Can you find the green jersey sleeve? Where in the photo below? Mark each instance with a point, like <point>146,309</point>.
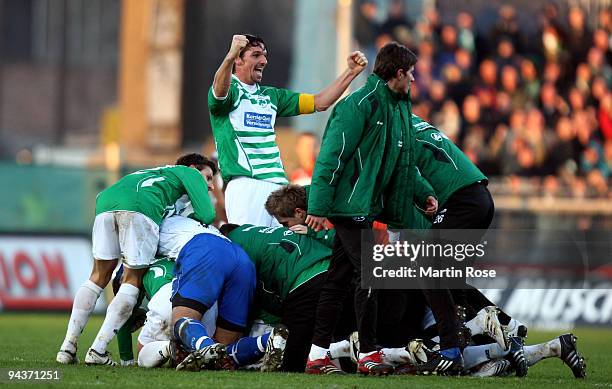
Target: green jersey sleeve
<point>197,190</point>
<point>325,237</point>
<point>222,106</point>
<point>288,102</point>
<point>340,140</point>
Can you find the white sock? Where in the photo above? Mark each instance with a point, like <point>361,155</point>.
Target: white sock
<point>117,313</point>
<point>154,354</point>
<point>535,353</point>
<point>340,349</point>
<point>474,329</point>
<point>363,355</point>
<point>475,355</point>
<point>396,356</point>
<point>317,352</point>
<point>84,303</point>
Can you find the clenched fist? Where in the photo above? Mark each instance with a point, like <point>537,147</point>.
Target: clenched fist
<point>239,42</point>
<point>357,61</point>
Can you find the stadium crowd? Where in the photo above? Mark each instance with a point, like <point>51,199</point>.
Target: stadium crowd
<point>533,107</point>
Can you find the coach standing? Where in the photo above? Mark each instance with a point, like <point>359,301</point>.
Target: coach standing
<point>243,114</point>
<point>365,172</point>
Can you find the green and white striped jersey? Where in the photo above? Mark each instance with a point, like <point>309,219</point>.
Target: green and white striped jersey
<point>243,127</point>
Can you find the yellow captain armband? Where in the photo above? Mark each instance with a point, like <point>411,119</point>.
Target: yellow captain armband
<point>306,103</point>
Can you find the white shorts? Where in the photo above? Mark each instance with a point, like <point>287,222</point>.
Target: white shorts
<point>130,236</point>
<point>245,200</point>
<point>158,325</point>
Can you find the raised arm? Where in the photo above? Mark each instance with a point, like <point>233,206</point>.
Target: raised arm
<point>223,76</point>
<point>356,62</point>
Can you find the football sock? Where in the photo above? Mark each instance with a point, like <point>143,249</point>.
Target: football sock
<point>474,328</point>
<point>192,334</point>
<point>317,352</point>
<point>396,356</point>
<point>535,353</point>
<point>83,305</point>
<point>154,354</point>
<point>340,349</point>
<point>452,352</point>
<point>363,355</point>
<point>475,355</point>
<point>248,350</point>
<point>117,313</point>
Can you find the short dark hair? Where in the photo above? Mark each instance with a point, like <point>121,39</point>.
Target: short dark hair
<point>254,41</point>
<point>283,201</point>
<point>197,160</point>
<point>392,57</point>
<point>227,228</point>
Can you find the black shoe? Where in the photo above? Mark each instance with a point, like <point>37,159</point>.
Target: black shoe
<point>570,355</point>
<point>177,353</point>
<point>438,364</point>
<point>516,356</point>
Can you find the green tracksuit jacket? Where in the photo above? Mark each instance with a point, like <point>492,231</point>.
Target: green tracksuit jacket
<point>366,165</point>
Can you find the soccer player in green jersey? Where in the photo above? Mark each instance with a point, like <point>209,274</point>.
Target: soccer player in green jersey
<point>126,227</point>
<point>243,114</point>
<point>291,269</point>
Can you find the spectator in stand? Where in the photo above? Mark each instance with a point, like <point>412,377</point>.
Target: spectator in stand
<point>597,184</point>
<point>592,157</point>
<point>595,59</point>
<point>367,29</point>
<point>466,35</point>
<point>509,81</point>
<point>448,119</point>
<point>578,38</point>
<point>607,156</point>
<point>507,27</point>
<point>397,25</point>
<point>562,150</point>
<point>602,41</point>
<point>598,90</point>
<point>552,105</point>
<point>506,55</point>
<point>576,99</point>
<point>437,95</point>
<point>604,116</point>
<point>446,50</point>
<point>583,77</point>
<point>306,149</point>
<point>531,80</point>
<point>470,111</point>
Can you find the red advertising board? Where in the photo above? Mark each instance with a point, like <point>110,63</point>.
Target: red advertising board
<point>43,272</point>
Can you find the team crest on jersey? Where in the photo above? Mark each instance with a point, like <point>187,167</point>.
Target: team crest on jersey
<point>287,233</point>
<point>436,136</point>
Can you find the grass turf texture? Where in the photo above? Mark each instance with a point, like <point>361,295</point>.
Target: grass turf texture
<point>30,341</point>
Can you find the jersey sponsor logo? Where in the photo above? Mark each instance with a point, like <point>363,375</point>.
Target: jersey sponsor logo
<point>257,120</point>
<point>436,136</point>
<point>287,233</point>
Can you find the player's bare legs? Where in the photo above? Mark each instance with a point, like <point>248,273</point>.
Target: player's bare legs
<point>84,303</point>
<point>226,336</point>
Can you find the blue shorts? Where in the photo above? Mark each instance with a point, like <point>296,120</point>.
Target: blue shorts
<point>210,268</point>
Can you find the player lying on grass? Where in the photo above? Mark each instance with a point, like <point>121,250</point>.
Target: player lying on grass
<point>126,227</point>
<point>482,358</point>
<point>154,341</point>
<point>291,269</point>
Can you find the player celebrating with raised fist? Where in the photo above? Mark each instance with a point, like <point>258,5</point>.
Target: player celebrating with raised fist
<point>243,114</point>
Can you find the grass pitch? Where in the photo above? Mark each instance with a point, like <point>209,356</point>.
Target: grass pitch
<point>30,341</point>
